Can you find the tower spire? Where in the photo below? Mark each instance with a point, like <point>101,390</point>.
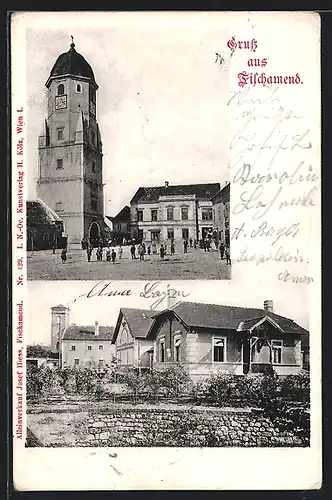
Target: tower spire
<point>72,45</point>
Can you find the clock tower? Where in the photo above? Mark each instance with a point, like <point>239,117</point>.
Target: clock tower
<point>70,174</point>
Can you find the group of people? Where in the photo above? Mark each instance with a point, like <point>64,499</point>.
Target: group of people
<point>142,250</point>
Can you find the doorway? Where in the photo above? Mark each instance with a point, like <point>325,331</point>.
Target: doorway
<point>94,234</point>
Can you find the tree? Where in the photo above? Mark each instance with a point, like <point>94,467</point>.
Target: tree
<point>40,351</point>
<point>135,382</point>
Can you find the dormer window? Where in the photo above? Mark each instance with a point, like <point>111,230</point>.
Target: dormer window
<point>79,88</point>
<point>61,89</point>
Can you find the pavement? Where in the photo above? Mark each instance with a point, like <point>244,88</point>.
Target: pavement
<point>196,264</point>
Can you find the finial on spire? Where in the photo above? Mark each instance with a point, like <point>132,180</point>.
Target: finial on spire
<point>72,45</point>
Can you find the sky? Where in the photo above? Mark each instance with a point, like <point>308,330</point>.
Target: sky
<point>85,311</point>
<point>160,104</point>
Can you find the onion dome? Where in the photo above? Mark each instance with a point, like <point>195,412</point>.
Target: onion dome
<point>71,63</point>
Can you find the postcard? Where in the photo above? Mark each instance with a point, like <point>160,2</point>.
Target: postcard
<point>166,251</point>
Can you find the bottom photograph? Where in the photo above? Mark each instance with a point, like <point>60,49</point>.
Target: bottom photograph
<point>121,371</point>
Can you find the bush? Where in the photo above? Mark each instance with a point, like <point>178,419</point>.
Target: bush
<point>296,387</point>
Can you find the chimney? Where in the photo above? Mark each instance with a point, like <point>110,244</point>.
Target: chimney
<point>166,184</point>
<point>96,328</point>
<point>268,306</point>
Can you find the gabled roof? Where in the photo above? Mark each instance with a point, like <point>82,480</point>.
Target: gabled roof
<point>75,332</point>
<point>201,191</point>
<point>123,215</point>
<point>222,195</point>
<point>139,322</point>
<point>215,316</point>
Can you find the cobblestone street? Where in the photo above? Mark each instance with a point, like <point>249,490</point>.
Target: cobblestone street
<point>196,264</point>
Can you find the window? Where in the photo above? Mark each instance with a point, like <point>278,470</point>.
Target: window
<point>170,213</point>
<point>170,233</point>
<point>276,351</point>
<point>79,88</point>
<point>100,347</point>
<point>61,89</point>
<point>73,347</point>
<point>59,163</point>
<point>94,199</point>
<point>118,227</point>
<point>162,351</point>
<point>184,213</point>
<point>140,215</point>
<point>93,137</point>
<point>76,361</point>
<point>93,167</point>
<point>89,347</point>
<point>59,206</point>
<point>154,214</point>
<point>57,346</point>
<point>60,133</point>
<point>100,362</point>
<point>177,348</point>
<point>185,233</point>
<point>207,214</point>
<point>219,351</point>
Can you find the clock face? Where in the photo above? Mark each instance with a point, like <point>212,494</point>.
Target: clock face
<point>92,108</point>
<point>60,102</point>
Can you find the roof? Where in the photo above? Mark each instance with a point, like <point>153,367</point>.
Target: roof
<point>201,191</point>
<point>40,213</point>
<point>71,63</point>
<point>75,332</point>
<point>123,215</point>
<point>59,306</point>
<point>222,195</point>
<point>139,322</point>
<point>229,317</point>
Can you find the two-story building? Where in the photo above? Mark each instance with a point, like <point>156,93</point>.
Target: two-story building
<point>121,226</point>
<point>132,348</point>
<point>87,346</point>
<point>221,215</point>
<point>163,213</point>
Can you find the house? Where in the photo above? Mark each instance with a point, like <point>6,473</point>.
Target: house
<point>221,209</point>
<point>121,226</point>
<point>163,213</point>
<point>132,348</point>
<point>87,346</point>
<point>206,338</point>
<point>44,226</point>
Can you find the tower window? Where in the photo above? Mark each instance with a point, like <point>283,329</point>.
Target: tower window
<point>59,163</point>
<point>93,137</point>
<point>79,88</point>
<point>93,167</point>
<point>59,206</point>
<point>60,133</point>
<point>61,89</point>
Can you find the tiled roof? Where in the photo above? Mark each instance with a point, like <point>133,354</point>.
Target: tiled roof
<point>139,322</point>
<point>123,215</point>
<point>202,191</point>
<point>228,317</point>
<point>75,332</point>
<point>40,213</point>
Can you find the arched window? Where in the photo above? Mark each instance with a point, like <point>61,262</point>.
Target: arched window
<point>79,88</point>
<point>57,346</point>
<point>61,89</point>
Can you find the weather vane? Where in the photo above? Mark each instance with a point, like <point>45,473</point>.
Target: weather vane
<point>72,38</point>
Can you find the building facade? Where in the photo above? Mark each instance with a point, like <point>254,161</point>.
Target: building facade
<point>221,215</point>
<point>121,226</point>
<point>87,346</point>
<point>207,339</point>
<point>70,175</point>
<point>163,213</point>
<point>132,349</point>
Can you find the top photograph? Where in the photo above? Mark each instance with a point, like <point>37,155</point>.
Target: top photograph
<point>127,155</point>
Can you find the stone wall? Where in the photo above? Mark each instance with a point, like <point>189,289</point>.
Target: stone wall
<point>135,426</point>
